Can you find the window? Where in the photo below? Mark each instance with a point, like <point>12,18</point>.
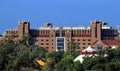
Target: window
<point>83,47</point>
<point>89,43</point>
<point>60,39</point>
<point>74,31</point>
<point>77,31</point>
<point>83,39</point>
<point>57,33</point>
<point>63,33</point>
<point>52,43</point>
<point>52,35</point>
<point>42,40</point>
<point>7,32</point>
<point>89,39</point>
<point>95,32</point>
<point>78,40</point>
<point>88,32</point>
<point>47,47</point>
<point>83,43</point>
<point>47,43</point>
<point>60,43</point>
<point>82,31</point>
<point>85,31</point>
<point>42,44</point>
<point>47,40</point>
<point>43,32</point>
<point>46,32</point>
<point>74,43</point>
<point>38,32</point>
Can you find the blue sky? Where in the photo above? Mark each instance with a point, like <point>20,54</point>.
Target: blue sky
<point>58,12</point>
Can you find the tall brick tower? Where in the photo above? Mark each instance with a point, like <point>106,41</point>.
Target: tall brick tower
<point>24,28</point>
<point>96,31</point>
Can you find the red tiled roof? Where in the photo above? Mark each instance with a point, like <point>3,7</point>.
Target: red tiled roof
<point>111,42</point>
<point>95,42</point>
<point>43,35</point>
<point>82,35</point>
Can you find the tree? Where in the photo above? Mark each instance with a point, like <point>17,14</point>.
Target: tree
<point>19,56</point>
<point>55,55</point>
<point>113,66</point>
<point>66,64</point>
<point>52,58</point>
<point>5,50</point>
<point>96,63</point>
<point>72,46</point>
<point>78,66</point>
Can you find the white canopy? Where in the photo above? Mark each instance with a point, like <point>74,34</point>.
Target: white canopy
<point>113,47</point>
<point>89,49</point>
<point>79,58</point>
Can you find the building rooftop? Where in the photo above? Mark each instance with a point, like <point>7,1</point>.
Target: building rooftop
<point>111,42</point>
<point>56,28</point>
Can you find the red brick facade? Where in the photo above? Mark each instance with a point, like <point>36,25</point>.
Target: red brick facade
<point>48,36</point>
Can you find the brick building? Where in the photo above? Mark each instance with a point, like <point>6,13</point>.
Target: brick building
<point>99,35</point>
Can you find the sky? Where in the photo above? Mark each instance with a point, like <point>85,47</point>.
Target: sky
<point>58,12</point>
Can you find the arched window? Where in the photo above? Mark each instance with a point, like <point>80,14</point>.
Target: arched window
<point>57,33</point>
<point>63,33</point>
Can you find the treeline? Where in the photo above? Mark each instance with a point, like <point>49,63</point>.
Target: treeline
<point>20,56</point>
<point>108,60</point>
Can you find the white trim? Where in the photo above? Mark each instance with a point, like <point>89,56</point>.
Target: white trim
<point>106,27</point>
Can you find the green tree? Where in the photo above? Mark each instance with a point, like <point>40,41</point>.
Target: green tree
<point>72,46</point>
<point>19,56</point>
<point>66,64</point>
<point>113,66</point>
<point>55,55</point>
<point>5,50</point>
